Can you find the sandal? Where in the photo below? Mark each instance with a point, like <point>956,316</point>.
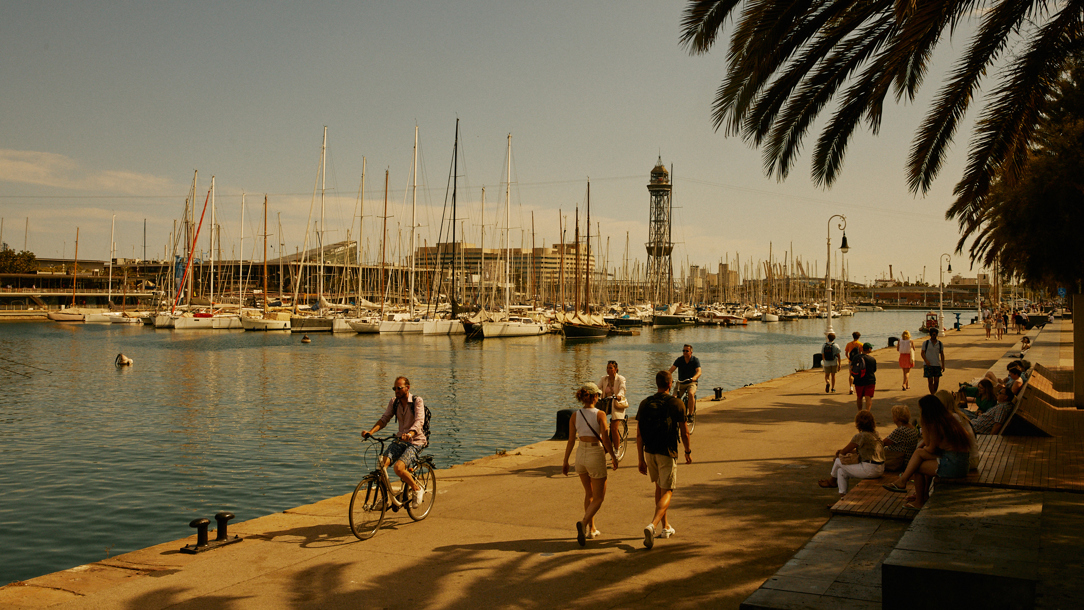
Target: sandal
<point>895,488</point>
<point>910,506</point>
<point>827,483</point>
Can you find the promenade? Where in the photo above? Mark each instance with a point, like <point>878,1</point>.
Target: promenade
<point>502,534</point>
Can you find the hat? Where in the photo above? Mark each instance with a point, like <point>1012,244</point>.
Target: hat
<point>868,346</point>
<point>590,388</point>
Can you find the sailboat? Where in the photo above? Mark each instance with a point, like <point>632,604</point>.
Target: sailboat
<point>365,324</point>
<point>580,325</point>
<point>401,323</point>
<point>451,325</point>
<point>70,314</point>
<point>318,322</point>
<point>268,321</point>
<point>510,326</point>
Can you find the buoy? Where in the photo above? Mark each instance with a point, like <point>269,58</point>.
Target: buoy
<point>306,339</point>
<point>123,360</point>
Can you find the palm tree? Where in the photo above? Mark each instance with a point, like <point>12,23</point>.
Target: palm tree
<point>788,59</point>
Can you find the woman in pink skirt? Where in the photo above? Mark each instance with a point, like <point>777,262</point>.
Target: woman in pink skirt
<point>907,360</point>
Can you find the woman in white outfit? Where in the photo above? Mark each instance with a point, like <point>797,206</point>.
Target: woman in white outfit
<point>588,426</point>
<point>871,455</point>
<point>613,385</point>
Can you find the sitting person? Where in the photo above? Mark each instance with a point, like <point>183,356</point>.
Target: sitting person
<point>1025,345</point>
<point>956,403</point>
<point>871,455</point>
<point>944,452</point>
<point>983,395</point>
<point>902,442</point>
<point>1015,380</point>
<point>993,419</point>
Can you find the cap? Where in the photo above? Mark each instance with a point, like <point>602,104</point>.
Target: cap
<point>590,388</point>
<point>868,346</point>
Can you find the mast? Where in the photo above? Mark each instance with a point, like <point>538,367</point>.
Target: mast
<point>112,226</point>
<point>455,180</point>
<point>264,255</point>
<point>507,240</point>
<point>361,224</point>
<point>577,280</point>
<point>564,250</point>
<point>413,222</point>
<point>75,266</point>
<point>587,261</point>
<point>241,261</point>
<point>383,246</point>
<point>320,231</point>
<point>212,236</point>
<point>482,262</point>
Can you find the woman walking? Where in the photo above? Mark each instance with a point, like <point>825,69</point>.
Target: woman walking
<point>907,359</point>
<point>588,425</point>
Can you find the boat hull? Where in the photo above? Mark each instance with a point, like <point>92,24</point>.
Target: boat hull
<point>577,331</point>
<point>443,327</point>
<point>310,324</point>
<point>401,327</point>
<point>64,316</point>
<point>492,330</point>
<point>264,324</point>
<point>669,320</point>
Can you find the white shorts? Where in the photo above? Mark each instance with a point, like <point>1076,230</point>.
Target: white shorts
<point>591,460</point>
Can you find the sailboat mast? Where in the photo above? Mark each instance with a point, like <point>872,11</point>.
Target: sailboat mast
<point>413,221</point>
<point>507,225</point>
<point>75,265</point>
<point>383,246</point>
<point>320,231</point>
<point>361,224</point>
<point>212,236</point>
<point>587,261</point>
<point>265,254</point>
<point>241,261</point>
<point>112,226</point>
<point>577,280</point>
<point>455,179</point>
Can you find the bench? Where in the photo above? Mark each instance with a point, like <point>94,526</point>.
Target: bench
<point>869,499</point>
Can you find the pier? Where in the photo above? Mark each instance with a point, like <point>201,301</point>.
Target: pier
<point>502,533</point>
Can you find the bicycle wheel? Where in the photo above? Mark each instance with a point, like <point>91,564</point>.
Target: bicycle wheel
<point>425,476</point>
<point>690,417</point>
<point>623,428</point>
<point>367,507</point>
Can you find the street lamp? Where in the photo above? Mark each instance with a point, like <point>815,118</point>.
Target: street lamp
<point>941,288</point>
<point>843,247</point>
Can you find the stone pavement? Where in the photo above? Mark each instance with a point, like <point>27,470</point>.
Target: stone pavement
<point>502,534</point>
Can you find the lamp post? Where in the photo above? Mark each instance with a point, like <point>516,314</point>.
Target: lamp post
<point>843,247</point>
<point>941,288</point>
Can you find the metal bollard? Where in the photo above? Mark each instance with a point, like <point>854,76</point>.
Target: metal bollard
<point>892,341</point>
<point>201,531</point>
<point>718,392</point>
<point>563,417</point>
<point>817,359</point>
<point>223,518</point>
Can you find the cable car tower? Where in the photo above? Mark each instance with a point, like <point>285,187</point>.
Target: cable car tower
<point>660,270</point>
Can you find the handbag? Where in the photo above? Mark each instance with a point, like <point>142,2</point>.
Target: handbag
<point>849,459</point>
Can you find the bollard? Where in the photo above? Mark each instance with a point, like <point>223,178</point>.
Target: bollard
<point>223,518</point>
<point>563,417</point>
<point>892,341</point>
<point>201,531</point>
<point>718,392</point>
<point>817,359</point>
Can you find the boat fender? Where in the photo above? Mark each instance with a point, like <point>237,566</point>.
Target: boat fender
<point>123,360</point>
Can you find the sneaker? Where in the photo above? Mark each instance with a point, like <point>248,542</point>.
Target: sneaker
<point>826,386</point>
<point>419,497</point>
<point>649,535</point>
<point>666,533</point>
<point>581,535</point>
<point>594,534</point>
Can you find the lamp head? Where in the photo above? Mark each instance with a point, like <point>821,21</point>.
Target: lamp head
<point>950,267</point>
<point>843,247</point>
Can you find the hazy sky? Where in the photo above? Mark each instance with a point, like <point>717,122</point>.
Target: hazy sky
<point>108,108</point>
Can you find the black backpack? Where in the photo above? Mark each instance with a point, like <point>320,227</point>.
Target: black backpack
<point>828,352</point>
<point>425,423</point>
<point>858,366</point>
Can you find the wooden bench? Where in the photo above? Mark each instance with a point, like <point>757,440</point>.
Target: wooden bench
<point>1039,463</point>
<point>1044,409</point>
<point>869,499</point>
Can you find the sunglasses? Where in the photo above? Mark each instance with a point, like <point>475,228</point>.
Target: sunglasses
<point>399,387</point>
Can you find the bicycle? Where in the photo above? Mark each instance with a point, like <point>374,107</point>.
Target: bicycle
<point>373,495</point>
<point>606,406</point>
<point>690,409</point>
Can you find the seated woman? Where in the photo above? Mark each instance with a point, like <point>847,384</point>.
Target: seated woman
<point>956,404</point>
<point>902,442</point>
<point>983,395</point>
<point>944,452</point>
<point>871,455</point>
<point>1015,382</point>
<point>1025,344</point>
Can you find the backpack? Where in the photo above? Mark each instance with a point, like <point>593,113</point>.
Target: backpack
<point>828,352</point>
<point>858,366</point>
<point>425,423</point>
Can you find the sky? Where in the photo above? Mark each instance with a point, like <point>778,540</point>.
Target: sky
<point>108,108</point>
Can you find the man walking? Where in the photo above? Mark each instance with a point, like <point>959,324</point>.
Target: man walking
<point>830,362</point>
<point>933,354</point>
<point>847,351</point>
<point>659,420</point>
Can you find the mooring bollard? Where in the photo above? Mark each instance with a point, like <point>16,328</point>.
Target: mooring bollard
<point>201,531</point>
<point>223,518</point>
<point>563,417</point>
<point>892,341</point>
<point>718,392</point>
<point>817,359</point>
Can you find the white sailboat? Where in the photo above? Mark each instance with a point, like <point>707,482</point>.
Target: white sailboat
<point>268,321</point>
<point>407,323</point>
<point>510,326</point>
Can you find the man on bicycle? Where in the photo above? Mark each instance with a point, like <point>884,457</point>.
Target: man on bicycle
<point>688,367</point>
<point>409,411</point>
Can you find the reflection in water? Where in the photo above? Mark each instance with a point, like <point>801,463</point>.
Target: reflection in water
<point>257,423</point>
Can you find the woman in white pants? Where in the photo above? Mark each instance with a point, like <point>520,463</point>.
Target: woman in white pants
<point>871,455</point>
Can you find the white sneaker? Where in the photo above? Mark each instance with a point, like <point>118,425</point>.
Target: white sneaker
<point>594,534</point>
<point>419,497</point>
<point>666,533</point>
<point>649,535</point>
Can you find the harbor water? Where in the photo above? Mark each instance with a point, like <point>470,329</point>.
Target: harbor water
<point>97,460</point>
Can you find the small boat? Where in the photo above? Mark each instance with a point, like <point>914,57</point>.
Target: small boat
<point>66,315</point>
<point>931,322</point>
<point>580,325</point>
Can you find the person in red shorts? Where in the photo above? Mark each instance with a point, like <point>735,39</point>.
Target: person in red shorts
<point>864,369</point>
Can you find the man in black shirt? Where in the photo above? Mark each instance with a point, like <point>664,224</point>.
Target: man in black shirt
<point>688,367</point>
<point>659,420</point>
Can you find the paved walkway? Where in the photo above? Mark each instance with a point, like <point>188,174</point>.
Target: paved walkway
<point>502,531</point>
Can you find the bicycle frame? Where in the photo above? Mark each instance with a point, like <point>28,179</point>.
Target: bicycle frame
<point>382,471</point>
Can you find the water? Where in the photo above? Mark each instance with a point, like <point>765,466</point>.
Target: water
<point>97,461</point>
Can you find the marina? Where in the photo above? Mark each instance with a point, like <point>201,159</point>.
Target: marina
<point>255,423</point>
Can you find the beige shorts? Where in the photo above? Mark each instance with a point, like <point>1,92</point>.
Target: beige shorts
<point>591,460</point>
<point>662,469</point>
